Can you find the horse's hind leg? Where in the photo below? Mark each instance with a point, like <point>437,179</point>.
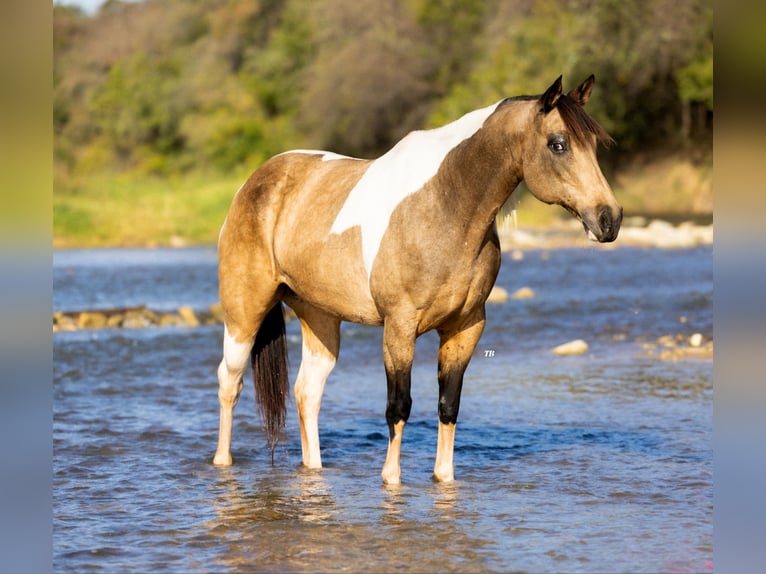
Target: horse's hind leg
<point>321,342</point>
<point>247,295</point>
<point>230,374</point>
<point>455,351</point>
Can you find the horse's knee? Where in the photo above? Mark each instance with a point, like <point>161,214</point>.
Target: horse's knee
<point>448,410</point>
<point>398,409</point>
<point>450,387</point>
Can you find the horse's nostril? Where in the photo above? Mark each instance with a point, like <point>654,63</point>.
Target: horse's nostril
<point>605,221</point>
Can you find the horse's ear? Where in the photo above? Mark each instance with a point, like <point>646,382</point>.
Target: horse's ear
<point>551,96</point>
<point>581,93</point>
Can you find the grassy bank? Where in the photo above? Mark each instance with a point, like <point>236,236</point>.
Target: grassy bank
<point>104,209</point>
<point>120,210</point>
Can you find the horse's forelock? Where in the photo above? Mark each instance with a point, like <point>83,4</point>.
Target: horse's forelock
<point>580,123</point>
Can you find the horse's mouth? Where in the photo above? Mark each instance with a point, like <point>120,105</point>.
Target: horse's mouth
<point>589,232</point>
<point>592,236</point>
<point>605,223</point>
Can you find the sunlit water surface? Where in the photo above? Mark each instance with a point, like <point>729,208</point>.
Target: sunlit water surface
<point>592,463</point>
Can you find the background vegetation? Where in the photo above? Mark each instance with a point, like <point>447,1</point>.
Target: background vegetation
<point>163,107</point>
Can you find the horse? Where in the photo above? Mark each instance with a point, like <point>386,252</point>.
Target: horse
<point>407,241</point>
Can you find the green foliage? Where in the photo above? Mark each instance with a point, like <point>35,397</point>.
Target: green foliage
<point>275,72</point>
<point>695,82</point>
<point>530,54</point>
<point>452,30</point>
<point>138,107</point>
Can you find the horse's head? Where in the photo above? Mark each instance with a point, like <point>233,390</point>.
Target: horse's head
<point>560,165</point>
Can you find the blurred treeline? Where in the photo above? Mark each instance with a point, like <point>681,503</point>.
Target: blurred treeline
<point>168,86</point>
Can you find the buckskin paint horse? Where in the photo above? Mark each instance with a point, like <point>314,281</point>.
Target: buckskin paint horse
<point>407,241</point>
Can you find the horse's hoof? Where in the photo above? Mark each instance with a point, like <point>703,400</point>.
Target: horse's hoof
<point>390,478</point>
<point>222,460</point>
<point>446,477</point>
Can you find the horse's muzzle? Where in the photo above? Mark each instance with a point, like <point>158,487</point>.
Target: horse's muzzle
<point>603,225</point>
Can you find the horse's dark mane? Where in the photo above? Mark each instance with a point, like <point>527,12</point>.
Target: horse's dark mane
<point>575,118</point>
<point>517,99</point>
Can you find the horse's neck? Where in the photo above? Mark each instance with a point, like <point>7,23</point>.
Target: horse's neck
<point>481,173</point>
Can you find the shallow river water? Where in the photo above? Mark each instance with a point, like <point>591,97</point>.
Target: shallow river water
<point>600,462</point>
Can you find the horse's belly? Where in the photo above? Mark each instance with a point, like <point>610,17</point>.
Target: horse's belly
<point>333,299</point>
<point>331,276</point>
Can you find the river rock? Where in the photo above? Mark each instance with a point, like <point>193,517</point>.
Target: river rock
<point>576,347</point>
<point>62,322</point>
<point>523,293</point>
<point>188,316</point>
<point>497,295</point>
<point>138,318</point>
<point>170,319</point>
<point>91,320</point>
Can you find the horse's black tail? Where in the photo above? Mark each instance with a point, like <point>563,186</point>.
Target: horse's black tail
<point>269,360</point>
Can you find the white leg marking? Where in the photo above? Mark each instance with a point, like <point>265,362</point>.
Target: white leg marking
<point>230,373</point>
<point>309,387</point>
<point>443,468</point>
<point>392,471</point>
<point>402,171</point>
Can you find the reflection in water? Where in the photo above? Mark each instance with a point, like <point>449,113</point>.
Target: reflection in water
<point>315,497</point>
<point>260,523</point>
<point>392,505</point>
<point>304,496</point>
<point>445,497</point>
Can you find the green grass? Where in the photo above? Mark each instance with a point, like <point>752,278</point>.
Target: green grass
<point>118,210</point>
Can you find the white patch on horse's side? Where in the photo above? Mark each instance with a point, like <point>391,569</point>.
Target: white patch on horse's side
<point>326,155</point>
<point>403,170</point>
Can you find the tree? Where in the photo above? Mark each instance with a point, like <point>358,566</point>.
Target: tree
<point>368,84</point>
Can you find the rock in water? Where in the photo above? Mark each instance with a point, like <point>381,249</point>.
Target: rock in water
<point>576,347</point>
<point>91,320</point>
<point>497,295</point>
<point>188,316</point>
<point>523,293</point>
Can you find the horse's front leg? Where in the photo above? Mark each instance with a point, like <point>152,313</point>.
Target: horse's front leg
<point>398,353</point>
<point>455,351</point>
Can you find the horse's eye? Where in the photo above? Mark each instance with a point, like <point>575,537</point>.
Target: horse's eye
<point>558,145</point>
